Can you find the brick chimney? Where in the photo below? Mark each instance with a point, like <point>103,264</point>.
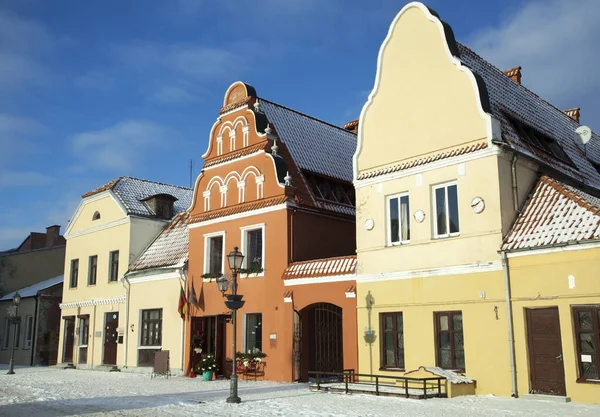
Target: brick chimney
<point>574,113</point>
<point>514,74</point>
<point>352,126</point>
<point>52,235</point>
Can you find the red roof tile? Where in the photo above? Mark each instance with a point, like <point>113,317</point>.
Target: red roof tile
<point>341,265</point>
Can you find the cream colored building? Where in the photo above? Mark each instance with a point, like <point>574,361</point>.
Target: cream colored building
<point>449,148</point>
<point>110,229</point>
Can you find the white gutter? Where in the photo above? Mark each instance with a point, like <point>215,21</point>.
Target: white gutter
<point>511,337</point>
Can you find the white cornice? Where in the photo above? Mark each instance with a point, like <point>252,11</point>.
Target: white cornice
<point>318,280</point>
<point>559,249</point>
<point>442,163</point>
<point>104,226</point>
<point>154,275</point>
<point>220,164</point>
<point>479,267</point>
<point>93,302</point>
<point>250,213</point>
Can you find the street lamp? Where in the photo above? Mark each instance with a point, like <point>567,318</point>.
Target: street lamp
<point>15,320</point>
<point>233,302</point>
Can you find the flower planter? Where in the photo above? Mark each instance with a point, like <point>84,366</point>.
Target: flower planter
<point>207,375</point>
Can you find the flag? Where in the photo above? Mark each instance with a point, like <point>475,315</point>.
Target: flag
<point>182,306</point>
<point>192,295</point>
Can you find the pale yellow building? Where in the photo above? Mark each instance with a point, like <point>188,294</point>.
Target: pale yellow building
<point>110,229</point>
<point>449,148</point>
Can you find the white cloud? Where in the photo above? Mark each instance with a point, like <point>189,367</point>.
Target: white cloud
<point>121,147</point>
<point>556,44</point>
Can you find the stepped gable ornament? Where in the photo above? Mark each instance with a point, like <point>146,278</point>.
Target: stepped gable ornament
<point>257,108</point>
<point>288,179</point>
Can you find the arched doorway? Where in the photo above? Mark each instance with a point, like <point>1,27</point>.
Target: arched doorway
<point>322,336</point>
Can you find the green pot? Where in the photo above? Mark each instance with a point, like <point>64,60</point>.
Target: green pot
<point>207,375</point>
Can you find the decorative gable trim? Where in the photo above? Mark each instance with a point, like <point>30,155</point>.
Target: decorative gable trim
<point>105,226</point>
<point>87,200</point>
<point>493,126</point>
<point>92,302</point>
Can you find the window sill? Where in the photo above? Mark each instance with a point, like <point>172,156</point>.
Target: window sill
<point>149,347</point>
<point>113,282</point>
<point>91,285</point>
<point>83,346</point>
<point>446,236</point>
<point>588,381</point>
<point>392,369</point>
<point>252,275</point>
<point>394,244</point>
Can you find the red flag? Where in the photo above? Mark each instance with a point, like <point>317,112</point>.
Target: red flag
<point>182,306</point>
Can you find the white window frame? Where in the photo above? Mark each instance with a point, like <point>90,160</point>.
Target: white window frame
<point>244,234</point>
<point>245,330</point>
<point>80,332</point>
<point>434,210</point>
<point>219,145</point>
<point>28,327</point>
<point>388,219</point>
<point>207,238</point>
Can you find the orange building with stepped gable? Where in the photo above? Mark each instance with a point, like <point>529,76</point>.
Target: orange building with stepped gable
<point>277,184</point>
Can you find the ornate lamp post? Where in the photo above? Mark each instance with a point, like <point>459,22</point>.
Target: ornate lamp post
<point>233,302</point>
<point>14,319</point>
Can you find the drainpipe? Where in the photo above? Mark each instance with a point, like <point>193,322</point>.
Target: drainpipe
<point>515,189</point>
<point>93,338</point>
<point>124,281</point>
<point>511,336</point>
<point>76,337</point>
<point>292,236</point>
<point>181,348</point>
<point>34,330</point>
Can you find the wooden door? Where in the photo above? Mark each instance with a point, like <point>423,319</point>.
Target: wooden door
<point>111,337</point>
<point>69,339</point>
<point>546,369</point>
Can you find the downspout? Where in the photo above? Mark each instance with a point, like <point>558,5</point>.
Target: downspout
<point>76,337</point>
<point>93,337</point>
<point>125,333</point>
<point>181,348</point>
<point>34,330</point>
<point>292,236</point>
<point>511,336</point>
<point>515,189</point>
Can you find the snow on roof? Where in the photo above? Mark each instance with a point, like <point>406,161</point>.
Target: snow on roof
<point>170,247</point>
<point>133,191</point>
<point>341,265</point>
<point>555,213</point>
<point>508,98</point>
<point>451,376</point>
<point>32,290</point>
<point>315,145</point>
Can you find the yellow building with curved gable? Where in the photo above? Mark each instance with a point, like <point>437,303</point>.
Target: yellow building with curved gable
<point>449,149</point>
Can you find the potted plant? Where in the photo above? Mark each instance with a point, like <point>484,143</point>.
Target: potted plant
<point>206,366</point>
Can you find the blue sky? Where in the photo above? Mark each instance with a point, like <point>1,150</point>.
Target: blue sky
<point>91,90</point>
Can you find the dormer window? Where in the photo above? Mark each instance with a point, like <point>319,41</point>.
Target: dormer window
<point>96,216</point>
<point>161,205</point>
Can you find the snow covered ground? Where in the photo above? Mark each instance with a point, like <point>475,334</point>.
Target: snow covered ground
<point>51,392</point>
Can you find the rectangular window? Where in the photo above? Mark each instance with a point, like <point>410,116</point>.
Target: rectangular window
<point>392,341</point>
<point>84,330</point>
<point>151,327</point>
<point>18,335</point>
<point>450,347</point>
<point>28,331</point>
<point>398,220</point>
<point>445,202</point>
<point>114,266</point>
<point>6,334</point>
<point>74,273</point>
<point>215,255</point>
<point>253,332</point>
<point>92,270</point>
<point>587,334</point>
<point>253,247</point>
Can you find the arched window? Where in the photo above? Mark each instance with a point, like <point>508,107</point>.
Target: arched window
<point>96,216</point>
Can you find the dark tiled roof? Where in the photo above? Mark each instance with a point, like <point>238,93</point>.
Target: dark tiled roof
<point>555,213</point>
<point>132,191</point>
<point>510,98</point>
<point>170,247</point>
<point>315,145</point>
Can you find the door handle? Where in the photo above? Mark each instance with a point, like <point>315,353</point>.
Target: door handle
<point>559,357</point>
